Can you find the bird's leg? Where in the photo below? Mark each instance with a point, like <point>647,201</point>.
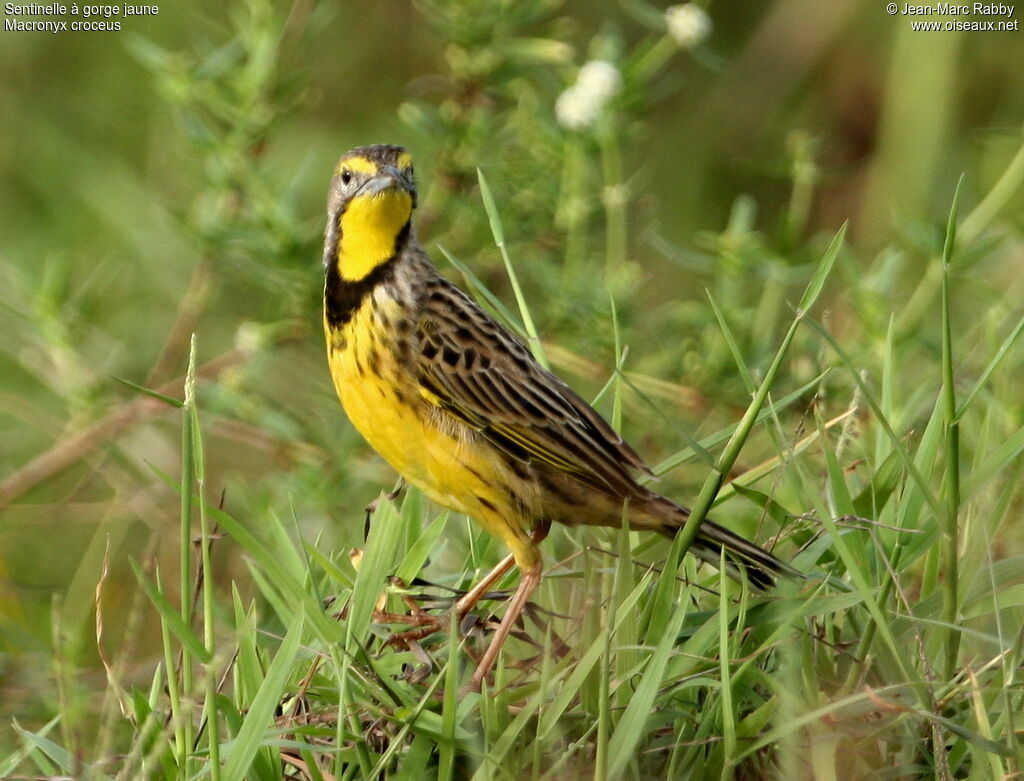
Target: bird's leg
<point>468,600</point>
<point>471,597</point>
<point>528,582</point>
<point>530,571</point>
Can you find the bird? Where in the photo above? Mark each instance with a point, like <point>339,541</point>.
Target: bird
<point>461,409</point>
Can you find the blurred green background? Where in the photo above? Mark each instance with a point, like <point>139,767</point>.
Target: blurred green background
<point>170,178</point>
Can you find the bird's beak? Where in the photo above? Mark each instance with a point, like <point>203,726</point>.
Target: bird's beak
<point>388,178</point>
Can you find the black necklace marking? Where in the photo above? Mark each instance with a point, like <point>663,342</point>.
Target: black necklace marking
<point>343,297</point>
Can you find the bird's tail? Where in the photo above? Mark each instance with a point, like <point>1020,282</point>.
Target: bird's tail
<point>762,568</point>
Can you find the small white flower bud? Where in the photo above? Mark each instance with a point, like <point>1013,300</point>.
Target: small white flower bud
<point>600,78</point>
<point>688,24</point>
<point>578,107</point>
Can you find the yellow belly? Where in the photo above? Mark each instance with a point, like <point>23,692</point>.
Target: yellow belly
<point>439,455</point>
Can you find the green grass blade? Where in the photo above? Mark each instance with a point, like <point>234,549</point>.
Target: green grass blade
<point>172,618</point>
<point>727,706</point>
<point>951,530</point>
<point>374,568</point>
<point>65,760</point>
<point>730,340</point>
<point>632,725</point>
<point>150,392</point>
<point>239,753</point>
<point>495,303</point>
<point>188,462</point>
<point>11,762</point>
<point>569,690</point>
<point>822,272</point>
<point>416,556</point>
<point>499,240</point>
<point>279,576</point>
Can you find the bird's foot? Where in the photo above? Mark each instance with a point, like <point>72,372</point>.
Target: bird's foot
<point>425,625</point>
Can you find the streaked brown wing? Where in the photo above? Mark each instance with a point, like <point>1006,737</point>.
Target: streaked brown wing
<point>475,369</point>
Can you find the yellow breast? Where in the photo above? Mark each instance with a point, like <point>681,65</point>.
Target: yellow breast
<point>441,456</point>
<point>382,400</point>
<point>371,388</point>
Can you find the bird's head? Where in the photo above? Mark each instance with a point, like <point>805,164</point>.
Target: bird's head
<point>369,209</point>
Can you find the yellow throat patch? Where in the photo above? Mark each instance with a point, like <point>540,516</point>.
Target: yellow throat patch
<point>369,227</point>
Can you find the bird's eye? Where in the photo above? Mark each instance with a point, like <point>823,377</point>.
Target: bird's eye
<point>346,177</point>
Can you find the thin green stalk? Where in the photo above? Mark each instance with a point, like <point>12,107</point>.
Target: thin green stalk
<point>654,59</point>
<point>610,596</point>
<point>951,532</point>
<point>591,629</point>
<point>725,671</point>
<point>607,668</point>
<point>627,652</point>
<point>185,554</point>
<point>183,718</point>
<point>381,544</point>
<point>604,715</point>
<point>499,240</point>
<point>209,639</point>
<point>178,719</point>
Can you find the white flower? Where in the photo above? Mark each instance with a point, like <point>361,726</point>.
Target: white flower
<point>578,107</point>
<point>688,24</point>
<point>599,77</point>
